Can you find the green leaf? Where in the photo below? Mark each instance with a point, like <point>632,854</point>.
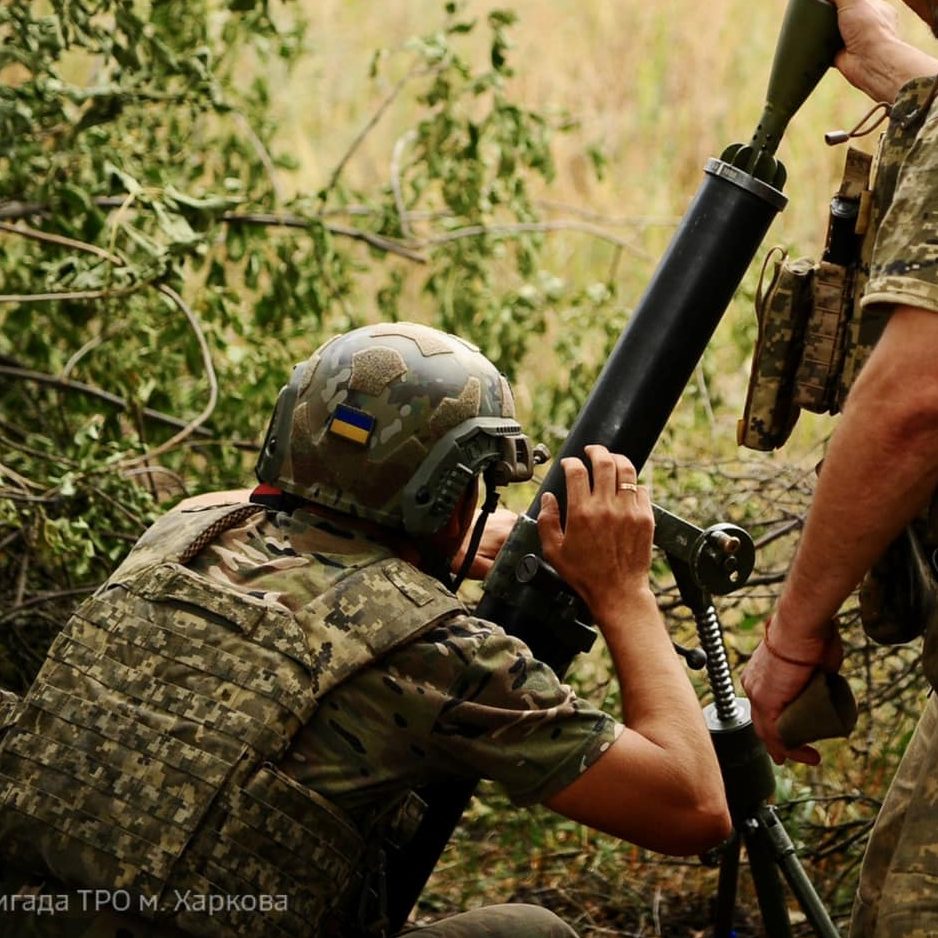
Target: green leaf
<point>126,180</point>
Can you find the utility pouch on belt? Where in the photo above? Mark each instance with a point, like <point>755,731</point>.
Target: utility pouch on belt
<point>822,350</point>
<point>805,316</point>
<point>899,595</point>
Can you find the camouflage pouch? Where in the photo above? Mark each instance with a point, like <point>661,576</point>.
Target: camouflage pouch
<point>822,356</point>
<point>806,329</point>
<point>899,595</point>
<point>782,311</point>
<point>836,337</point>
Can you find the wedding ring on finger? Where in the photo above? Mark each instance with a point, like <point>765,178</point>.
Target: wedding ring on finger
<point>627,487</point>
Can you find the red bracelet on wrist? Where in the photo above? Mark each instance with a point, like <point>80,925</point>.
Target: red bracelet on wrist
<point>775,653</point>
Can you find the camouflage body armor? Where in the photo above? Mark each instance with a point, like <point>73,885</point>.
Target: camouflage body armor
<point>144,756</point>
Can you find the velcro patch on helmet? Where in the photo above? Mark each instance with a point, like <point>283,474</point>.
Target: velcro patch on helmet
<point>352,424</point>
<point>452,411</point>
<point>373,369</point>
<point>429,341</point>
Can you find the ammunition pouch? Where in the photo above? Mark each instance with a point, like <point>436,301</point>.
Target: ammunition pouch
<point>782,312</point>
<point>811,341</point>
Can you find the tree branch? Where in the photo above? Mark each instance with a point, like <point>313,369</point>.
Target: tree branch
<point>67,384</point>
<point>36,235</point>
<point>379,242</point>
<point>22,209</point>
<point>45,598</point>
<point>367,128</point>
<point>388,245</point>
<point>69,295</point>
<point>560,224</point>
<point>396,156</point>
<point>16,210</point>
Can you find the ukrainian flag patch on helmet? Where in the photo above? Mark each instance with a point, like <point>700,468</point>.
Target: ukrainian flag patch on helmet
<point>352,424</point>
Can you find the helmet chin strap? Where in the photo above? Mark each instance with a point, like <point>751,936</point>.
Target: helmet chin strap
<point>489,504</point>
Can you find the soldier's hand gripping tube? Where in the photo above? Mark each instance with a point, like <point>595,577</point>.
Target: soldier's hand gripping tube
<point>644,378</point>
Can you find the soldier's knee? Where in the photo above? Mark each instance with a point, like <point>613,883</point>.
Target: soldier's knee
<point>513,920</point>
<point>517,920</point>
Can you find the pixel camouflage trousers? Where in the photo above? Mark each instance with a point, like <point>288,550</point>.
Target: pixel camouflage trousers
<point>898,891</point>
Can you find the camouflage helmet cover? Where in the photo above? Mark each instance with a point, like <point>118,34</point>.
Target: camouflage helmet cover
<point>390,422</point>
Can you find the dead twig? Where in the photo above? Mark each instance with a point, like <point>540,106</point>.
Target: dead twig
<point>563,224</point>
<point>397,154</point>
<point>369,125</point>
<point>43,598</point>
<point>35,234</point>
<point>72,295</point>
<point>263,154</point>
<point>269,219</point>
<point>380,242</point>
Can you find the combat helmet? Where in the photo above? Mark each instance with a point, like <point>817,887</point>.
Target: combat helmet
<point>391,422</point>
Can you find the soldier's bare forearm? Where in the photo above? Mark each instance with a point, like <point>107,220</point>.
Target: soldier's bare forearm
<point>881,467</point>
<point>658,700</point>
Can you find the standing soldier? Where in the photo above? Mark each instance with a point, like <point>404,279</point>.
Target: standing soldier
<point>880,470</point>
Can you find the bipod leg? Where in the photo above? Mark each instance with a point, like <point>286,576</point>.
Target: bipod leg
<point>726,888</point>
<point>749,782</point>
<point>769,890</point>
<point>787,859</point>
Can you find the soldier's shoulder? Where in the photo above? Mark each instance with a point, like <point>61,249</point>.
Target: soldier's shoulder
<point>458,642</point>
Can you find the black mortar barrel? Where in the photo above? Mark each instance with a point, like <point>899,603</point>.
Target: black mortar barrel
<point>661,346</point>
<point>653,360</point>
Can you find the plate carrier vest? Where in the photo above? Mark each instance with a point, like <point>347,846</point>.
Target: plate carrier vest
<point>144,756</point>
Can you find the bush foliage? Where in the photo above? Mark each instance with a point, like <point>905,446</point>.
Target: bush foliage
<point>157,284</point>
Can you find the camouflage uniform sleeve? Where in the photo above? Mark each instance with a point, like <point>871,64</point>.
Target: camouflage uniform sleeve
<point>507,717</point>
<point>904,265</point>
<point>465,700</point>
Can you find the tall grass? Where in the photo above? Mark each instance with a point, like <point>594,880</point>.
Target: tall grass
<point>657,88</point>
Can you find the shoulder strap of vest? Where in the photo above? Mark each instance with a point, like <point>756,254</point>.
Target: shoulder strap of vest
<point>367,615</point>
<point>362,617</point>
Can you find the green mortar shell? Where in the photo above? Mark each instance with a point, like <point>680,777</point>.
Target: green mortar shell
<point>807,44</point>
